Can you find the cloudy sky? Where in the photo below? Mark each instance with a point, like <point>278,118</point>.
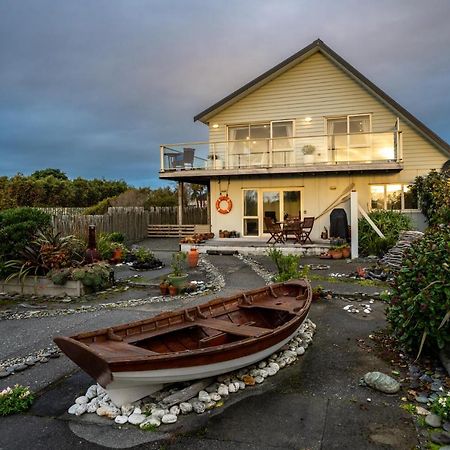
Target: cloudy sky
<point>94,86</point>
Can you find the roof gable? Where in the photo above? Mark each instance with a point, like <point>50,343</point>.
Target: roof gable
<point>314,47</point>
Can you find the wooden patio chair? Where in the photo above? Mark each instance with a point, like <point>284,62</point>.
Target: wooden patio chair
<point>291,227</point>
<point>275,230</point>
<point>306,228</point>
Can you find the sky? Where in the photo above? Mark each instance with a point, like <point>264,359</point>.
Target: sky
<point>93,87</point>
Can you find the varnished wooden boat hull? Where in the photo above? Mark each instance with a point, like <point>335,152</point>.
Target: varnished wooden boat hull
<point>135,359</point>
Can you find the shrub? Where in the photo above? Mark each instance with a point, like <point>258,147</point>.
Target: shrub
<point>99,209</point>
<point>419,304</point>
<point>433,192</point>
<point>95,277</point>
<point>287,265</point>
<point>390,224</point>
<point>441,406</point>
<point>18,227</point>
<point>15,400</point>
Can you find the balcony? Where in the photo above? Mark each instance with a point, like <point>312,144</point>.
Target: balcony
<point>378,151</point>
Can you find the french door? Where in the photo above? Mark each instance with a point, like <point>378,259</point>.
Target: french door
<point>274,203</point>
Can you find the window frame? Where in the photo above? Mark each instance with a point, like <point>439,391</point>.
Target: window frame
<point>402,199</point>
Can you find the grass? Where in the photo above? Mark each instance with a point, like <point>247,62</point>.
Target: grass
<point>362,282</point>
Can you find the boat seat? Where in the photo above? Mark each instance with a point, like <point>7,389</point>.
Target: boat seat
<point>111,349</point>
<point>232,328</point>
<point>287,305</point>
<point>136,337</point>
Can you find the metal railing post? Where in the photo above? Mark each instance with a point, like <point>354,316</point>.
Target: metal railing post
<point>161,154</point>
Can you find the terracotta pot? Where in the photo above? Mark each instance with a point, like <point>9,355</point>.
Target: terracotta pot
<point>117,255</point>
<point>164,288</point>
<point>173,290</point>
<point>346,252</point>
<point>192,257</point>
<point>335,254</point>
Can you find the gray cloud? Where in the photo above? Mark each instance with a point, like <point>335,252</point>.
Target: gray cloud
<point>94,86</point>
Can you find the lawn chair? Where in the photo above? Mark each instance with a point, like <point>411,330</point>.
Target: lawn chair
<point>275,230</point>
<point>306,228</point>
<point>291,227</point>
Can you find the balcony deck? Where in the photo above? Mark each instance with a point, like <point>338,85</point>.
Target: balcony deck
<point>318,155</point>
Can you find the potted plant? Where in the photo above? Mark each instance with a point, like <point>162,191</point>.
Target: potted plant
<point>345,251</point>
<point>164,287</point>
<point>173,290</point>
<point>177,277</point>
<point>308,153</point>
<point>335,252</point>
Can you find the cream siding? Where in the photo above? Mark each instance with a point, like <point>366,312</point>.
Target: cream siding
<point>317,88</point>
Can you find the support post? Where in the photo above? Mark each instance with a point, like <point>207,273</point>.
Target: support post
<point>208,205</point>
<point>161,157</point>
<point>354,223</point>
<point>180,202</point>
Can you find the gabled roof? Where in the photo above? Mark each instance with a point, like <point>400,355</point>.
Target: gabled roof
<point>314,47</point>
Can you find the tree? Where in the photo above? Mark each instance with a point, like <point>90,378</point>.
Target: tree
<point>49,172</point>
<point>198,193</point>
<point>162,197</point>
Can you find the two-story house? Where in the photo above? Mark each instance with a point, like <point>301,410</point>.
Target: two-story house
<point>297,139</point>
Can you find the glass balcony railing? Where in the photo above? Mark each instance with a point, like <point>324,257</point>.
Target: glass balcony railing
<point>356,148</point>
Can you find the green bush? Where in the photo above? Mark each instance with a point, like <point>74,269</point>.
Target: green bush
<point>14,400</point>
<point>18,227</point>
<point>94,277</point>
<point>390,224</point>
<point>99,209</point>
<point>419,304</point>
<point>287,265</point>
<point>107,244</point>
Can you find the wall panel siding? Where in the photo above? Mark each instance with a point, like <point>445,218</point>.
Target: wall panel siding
<point>317,88</point>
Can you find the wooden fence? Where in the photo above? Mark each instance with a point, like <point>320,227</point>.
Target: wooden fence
<point>131,221</point>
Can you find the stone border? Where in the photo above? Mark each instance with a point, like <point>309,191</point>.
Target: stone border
<point>42,286</point>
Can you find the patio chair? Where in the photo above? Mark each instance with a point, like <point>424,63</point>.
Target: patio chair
<point>291,227</point>
<point>306,228</point>
<point>275,230</point>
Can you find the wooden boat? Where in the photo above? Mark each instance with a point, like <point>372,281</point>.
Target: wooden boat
<point>135,359</point>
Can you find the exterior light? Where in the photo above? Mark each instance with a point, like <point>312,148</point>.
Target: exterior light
<point>215,125</point>
<point>308,119</point>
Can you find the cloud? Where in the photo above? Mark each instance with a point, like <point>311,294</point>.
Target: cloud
<point>94,87</point>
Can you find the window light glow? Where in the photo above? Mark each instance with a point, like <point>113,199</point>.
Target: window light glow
<point>308,119</point>
<point>215,125</point>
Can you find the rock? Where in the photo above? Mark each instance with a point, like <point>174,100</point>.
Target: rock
<point>81,409</point>
<point>212,388</point>
<point>72,409</point>
<point>203,396</point>
<point>43,360</point>
<point>422,411</point>
<point>150,421</point>
<point>210,405</point>
<point>198,407</point>
<point>232,388</point>
<point>381,382</point>
<point>100,390</point>
<point>248,380</point>
<point>136,419</point>
<point>215,397</point>
<point>19,367</point>
<point>4,373</point>
<point>223,390</point>
<point>91,392</point>
<point>159,413</point>
<point>300,351</point>
<point>264,373</point>
<point>169,418</point>
<point>31,361</point>
<point>127,409</point>
<point>436,386</point>
<point>137,410</point>
<point>441,439</point>
<point>446,426</point>
<point>241,385</point>
<point>426,378</point>
<point>185,408</point>
<point>274,366</point>
<point>108,411</point>
<point>82,400</point>
<point>262,364</point>
<point>174,410</point>
<point>121,420</point>
<point>433,420</point>
<point>259,379</point>
<point>92,406</point>
<point>421,399</point>
<point>271,371</point>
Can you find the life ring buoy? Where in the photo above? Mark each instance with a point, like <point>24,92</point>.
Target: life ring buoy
<point>224,198</point>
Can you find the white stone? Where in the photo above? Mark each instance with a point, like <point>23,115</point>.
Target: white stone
<point>81,409</point>
<point>271,371</point>
<point>232,388</point>
<point>274,366</point>
<point>264,373</point>
<point>210,405</point>
<point>72,409</point>
<point>289,354</point>
<point>169,418</point>
<point>262,364</point>
<point>91,392</point>
<point>237,385</point>
<point>174,410</point>
<point>215,397</point>
<point>185,407</point>
<point>137,410</point>
<point>154,421</point>
<point>92,406</point>
<point>301,351</point>
<point>254,372</point>
<point>159,413</point>
<point>259,379</point>
<point>136,419</point>
<point>82,400</point>
<point>223,390</point>
<point>127,409</point>
<point>241,385</point>
<point>107,398</point>
<point>203,396</point>
<point>198,407</point>
<point>100,390</point>
<point>108,411</point>
<point>121,420</point>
